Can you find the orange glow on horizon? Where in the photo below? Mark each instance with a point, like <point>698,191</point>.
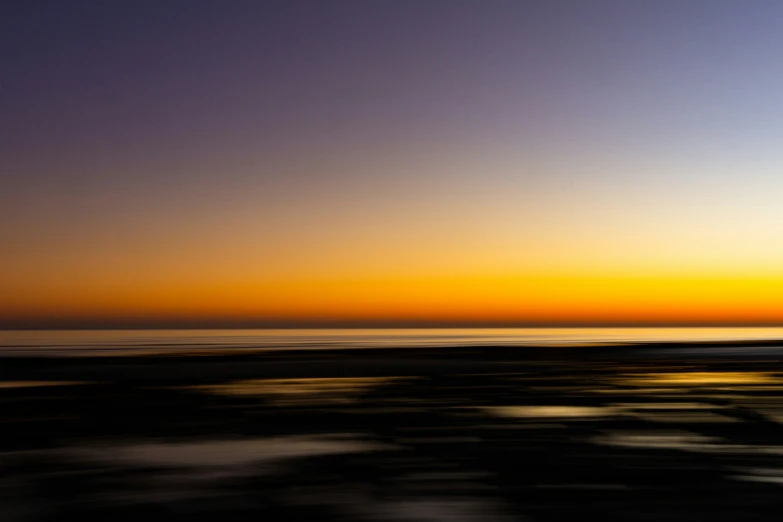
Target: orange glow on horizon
<point>468,300</point>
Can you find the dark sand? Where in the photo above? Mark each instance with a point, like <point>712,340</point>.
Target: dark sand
<point>658,432</point>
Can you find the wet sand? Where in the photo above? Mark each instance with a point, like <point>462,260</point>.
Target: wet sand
<point>644,432</point>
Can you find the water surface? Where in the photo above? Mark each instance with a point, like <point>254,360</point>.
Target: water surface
<point>129,342</point>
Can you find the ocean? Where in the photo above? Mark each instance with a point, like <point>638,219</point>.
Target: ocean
<point>69,343</point>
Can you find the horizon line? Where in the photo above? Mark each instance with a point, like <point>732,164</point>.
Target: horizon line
<point>371,326</point>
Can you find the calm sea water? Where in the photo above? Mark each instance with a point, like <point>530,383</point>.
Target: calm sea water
<point>125,342</point>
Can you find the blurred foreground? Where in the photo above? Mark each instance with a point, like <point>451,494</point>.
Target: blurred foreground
<point>457,435</point>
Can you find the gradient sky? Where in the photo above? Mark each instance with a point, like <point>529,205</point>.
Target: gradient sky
<point>391,162</point>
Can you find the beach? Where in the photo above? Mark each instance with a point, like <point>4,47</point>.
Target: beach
<point>666,431</point>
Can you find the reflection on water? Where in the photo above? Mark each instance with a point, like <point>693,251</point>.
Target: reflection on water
<point>665,406</point>
<point>684,416</point>
<point>223,452</point>
<point>696,378</point>
<point>301,391</point>
<point>662,439</point>
<point>37,384</point>
<point>656,412</point>
<point>575,412</point>
<point>769,475</point>
<point>557,440</point>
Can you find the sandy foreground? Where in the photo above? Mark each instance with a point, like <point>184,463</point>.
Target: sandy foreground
<point>663,432</point>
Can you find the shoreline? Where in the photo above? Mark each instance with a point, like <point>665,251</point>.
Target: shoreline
<point>359,362</point>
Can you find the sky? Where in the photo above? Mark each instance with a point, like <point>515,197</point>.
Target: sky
<point>390,162</point>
